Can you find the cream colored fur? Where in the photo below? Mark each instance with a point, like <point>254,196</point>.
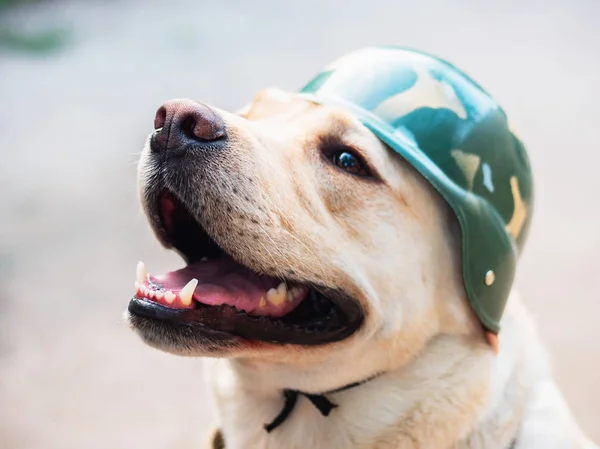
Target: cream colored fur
<point>393,245</point>
<point>455,394</point>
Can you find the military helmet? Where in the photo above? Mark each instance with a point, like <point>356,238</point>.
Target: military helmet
<point>459,139</point>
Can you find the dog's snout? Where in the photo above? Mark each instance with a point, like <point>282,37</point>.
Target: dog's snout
<point>179,123</point>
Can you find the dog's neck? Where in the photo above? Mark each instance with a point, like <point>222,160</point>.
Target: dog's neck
<point>320,401</point>
<point>452,392</point>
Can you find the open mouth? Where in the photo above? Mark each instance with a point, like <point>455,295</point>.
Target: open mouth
<point>214,294</point>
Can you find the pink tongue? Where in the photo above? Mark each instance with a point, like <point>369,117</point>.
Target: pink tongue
<point>224,281</point>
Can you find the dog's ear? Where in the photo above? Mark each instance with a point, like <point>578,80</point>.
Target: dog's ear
<point>265,103</point>
<point>244,111</point>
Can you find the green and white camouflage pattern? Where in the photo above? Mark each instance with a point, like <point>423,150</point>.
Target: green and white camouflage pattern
<point>460,140</point>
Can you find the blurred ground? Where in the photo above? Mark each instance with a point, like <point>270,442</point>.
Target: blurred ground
<point>71,373</point>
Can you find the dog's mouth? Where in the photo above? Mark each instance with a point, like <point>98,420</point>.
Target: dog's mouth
<point>216,295</point>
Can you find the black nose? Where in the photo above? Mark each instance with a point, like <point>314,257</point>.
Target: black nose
<point>180,123</point>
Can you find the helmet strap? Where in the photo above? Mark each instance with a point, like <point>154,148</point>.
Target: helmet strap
<point>492,340</point>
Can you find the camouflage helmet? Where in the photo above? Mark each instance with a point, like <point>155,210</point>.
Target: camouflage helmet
<point>458,138</point>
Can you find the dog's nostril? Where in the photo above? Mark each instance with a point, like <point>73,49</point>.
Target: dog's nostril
<point>203,124</point>
<point>160,118</point>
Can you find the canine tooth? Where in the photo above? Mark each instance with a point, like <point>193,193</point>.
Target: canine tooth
<point>169,296</point>
<point>186,292</point>
<point>137,286</point>
<point>159,295</point>
<point>140,272</point>
<point>278,295</point>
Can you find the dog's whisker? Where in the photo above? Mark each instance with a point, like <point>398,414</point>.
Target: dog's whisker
<point>269,251</point>
<point>286,232</point>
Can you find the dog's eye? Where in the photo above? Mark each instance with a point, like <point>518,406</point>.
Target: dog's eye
<point>343,156</point>
<point>349,162</point>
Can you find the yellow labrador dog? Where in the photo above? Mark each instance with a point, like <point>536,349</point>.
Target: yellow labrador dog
<point>323,279</point>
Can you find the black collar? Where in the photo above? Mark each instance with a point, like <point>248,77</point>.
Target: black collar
<point>320,402</point>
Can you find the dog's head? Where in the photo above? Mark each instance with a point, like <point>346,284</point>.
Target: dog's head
<point>310,241</point>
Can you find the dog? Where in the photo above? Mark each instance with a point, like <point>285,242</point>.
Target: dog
<point>324,284</point>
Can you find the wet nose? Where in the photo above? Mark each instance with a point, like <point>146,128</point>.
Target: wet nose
<point>180,123</point>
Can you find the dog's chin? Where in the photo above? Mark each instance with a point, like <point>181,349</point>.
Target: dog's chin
<point>218,306</point>
<point>176,340</point>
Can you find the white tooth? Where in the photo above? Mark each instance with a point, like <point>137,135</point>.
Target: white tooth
<point>151,294</point>
<point>271,293</point>
<point>159,295</point>
<point>262,303</point>
<point>294,293</point>
<point>169,296</point>
<point>137,286</point>
<point>186,292</point>
<point>282,288</point>
<point>278,295</point>
<point>140,274</point>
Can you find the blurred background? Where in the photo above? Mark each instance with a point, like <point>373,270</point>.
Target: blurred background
<point>79,84</point>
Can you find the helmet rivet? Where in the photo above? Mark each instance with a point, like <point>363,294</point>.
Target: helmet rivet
<point>490,277</point>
